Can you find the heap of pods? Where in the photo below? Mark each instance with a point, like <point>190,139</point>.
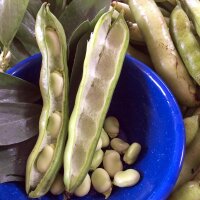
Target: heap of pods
<point>169,32</point>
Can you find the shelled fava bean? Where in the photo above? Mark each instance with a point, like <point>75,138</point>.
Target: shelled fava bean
<point>112,162</point>
<point>84,187</point>
<point>109,165</point>
<point>58,186</point>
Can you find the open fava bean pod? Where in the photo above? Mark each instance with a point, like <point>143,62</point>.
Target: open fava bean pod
<point>102,66</point>
<point>46,158</point>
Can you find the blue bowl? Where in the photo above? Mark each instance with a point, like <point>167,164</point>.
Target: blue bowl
<point>148,114</point>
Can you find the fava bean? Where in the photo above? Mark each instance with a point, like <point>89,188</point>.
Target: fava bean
<point>57,83</point>
<point>101,180</point>
<point>44,159</point>
<point>99,144</point>
<point>126,178</point>
<point>97,159</point>
<point>111,126</point>
<point>104,138</point>
<point>119,145</point>
<point>84,187</point>
<point>54,124</point>
<point>58,186</point>
<point>112,162</point>
<point>132,153</point>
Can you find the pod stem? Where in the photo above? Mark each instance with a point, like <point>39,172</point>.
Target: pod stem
<point>67,196</point>
<point>4,59</point>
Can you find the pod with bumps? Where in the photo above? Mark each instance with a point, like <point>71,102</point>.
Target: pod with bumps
<point>101,71</point>
<point>46,158</point>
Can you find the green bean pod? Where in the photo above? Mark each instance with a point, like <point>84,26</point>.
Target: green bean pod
<point>188,191</point>
<point>164,56</point>
<point>119,6</point>
<point>191,128</point>
<point>101,71</point>
<point>140,56</point>
<point>135,33</point>
<point>46,158</point>
<point>186,43</point>
<point>191,161</point>
<point>192,8</point>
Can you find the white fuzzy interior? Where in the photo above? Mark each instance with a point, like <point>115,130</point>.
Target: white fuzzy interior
<point>101,70</point>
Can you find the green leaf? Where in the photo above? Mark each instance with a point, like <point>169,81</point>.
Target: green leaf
<point>13,160</point>
<point>33,7</point>
<point>13,89</point>
<point>77,69</point>
<point>75,37</point>
<point>78,33</point>
<point>83,28</point>
<point>95,19</point>
<point>18,52</point>
<point>26,34</point>
<point>79,11</point>
<point>11,15</point>
<point>18,122</point>
<point>57,6</point>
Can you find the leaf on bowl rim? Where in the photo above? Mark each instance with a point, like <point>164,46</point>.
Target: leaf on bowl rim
<point>33,7</point>
<point>26,34</point>
<point>11,15</point>
<point>77,69</point>
<point>13,160</point>
<point>18,122</point>
<point>77,12</point>
<point>14,89</point>
<point>18,52</point>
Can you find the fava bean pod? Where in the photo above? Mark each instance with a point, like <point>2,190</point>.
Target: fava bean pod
<point>100,75</point>
<point>46,158</point>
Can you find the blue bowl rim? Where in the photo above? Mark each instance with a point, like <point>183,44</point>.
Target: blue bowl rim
<point>167,186</point>
<point>177,164</point>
